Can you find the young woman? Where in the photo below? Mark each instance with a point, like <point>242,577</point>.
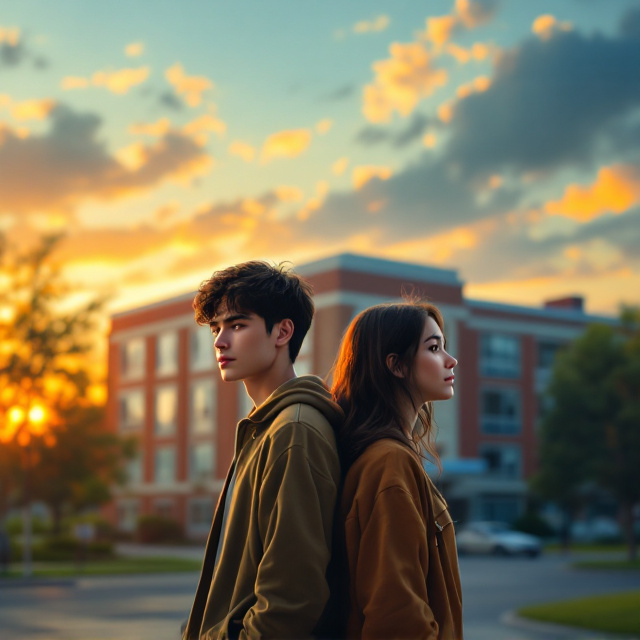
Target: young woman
<point>399,539</point>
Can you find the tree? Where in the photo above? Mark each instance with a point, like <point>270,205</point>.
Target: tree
<point>47,341</point>
<point>591,434</point>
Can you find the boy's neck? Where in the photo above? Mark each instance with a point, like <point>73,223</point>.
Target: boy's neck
<point>259,389</point>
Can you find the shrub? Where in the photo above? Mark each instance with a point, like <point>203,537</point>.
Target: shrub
<point>155,528</point>
<point>535,525</point>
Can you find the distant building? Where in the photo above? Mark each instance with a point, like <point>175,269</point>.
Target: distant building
<point>164,388</point>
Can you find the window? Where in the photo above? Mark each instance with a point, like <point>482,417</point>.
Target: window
<point>131,409</point>
<point>202,353</point>
<point>167,354</point>
<point>127,515</point>
<point>165,465</point>
<point>201,461</point>
<point>499,355</point>
<point>200,514</point>
<point>134,470</point>
<point>166,410</point>
<point>500,508</point>
<point>500,411</point>
<point>132,353</point>
<point>503,461</point>
<point>203,406</point>
<point>164,508</point>
<point>546,354</point>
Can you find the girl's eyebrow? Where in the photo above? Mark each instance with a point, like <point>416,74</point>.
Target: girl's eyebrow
<point>435,336</point>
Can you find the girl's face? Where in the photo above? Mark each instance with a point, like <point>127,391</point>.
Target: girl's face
<point>432,374</point>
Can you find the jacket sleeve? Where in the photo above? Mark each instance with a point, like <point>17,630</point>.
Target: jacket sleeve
<point>391,570</point>
<point>297,501</point>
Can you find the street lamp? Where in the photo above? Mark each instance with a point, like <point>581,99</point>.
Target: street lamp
<point>24,424</point>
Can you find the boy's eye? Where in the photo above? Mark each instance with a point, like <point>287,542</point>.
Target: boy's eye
<point>215,331</point>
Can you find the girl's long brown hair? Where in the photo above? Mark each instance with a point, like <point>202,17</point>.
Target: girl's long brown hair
<point>370,395</point>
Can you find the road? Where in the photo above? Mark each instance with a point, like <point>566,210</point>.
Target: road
<point>153,606</point>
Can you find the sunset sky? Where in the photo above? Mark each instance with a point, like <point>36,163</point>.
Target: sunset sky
<point>168,139</point>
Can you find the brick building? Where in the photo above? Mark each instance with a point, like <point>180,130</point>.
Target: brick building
<point>164,387</point>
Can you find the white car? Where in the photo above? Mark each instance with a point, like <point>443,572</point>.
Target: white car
<point>496,538</point>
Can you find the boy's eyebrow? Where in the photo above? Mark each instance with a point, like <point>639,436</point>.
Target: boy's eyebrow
<point>229,319</point>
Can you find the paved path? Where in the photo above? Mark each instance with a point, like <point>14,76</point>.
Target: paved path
<point>153,606</point>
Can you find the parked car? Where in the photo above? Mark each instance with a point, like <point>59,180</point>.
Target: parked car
<point>497,538</point>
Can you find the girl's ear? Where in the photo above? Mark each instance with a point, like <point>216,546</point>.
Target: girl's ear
<point>393,365</point>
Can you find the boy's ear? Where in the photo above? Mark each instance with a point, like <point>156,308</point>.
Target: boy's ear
<point>284,331</point>
<point>393,365</point>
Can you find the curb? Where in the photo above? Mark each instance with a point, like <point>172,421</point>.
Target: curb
<point>21,583</point>
<point>512,619</point>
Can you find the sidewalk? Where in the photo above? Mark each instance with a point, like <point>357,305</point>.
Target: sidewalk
<point>559,632</point>
<point>134,550</point>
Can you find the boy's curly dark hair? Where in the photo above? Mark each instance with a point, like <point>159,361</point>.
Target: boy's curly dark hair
<point>272,292</point>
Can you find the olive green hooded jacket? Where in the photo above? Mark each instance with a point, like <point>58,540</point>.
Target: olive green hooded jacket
<point>270,579</point>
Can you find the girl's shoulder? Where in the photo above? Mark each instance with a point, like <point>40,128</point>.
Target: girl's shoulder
<point>384,464</point>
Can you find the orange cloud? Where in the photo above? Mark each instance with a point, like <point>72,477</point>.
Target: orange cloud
<point>203,125</point>
<point>74,82</point>
<point>401,82</point>
<point>28,109</point>
<point>57,171</point>
<point>242,150</point>
<point>340,166</point>
<point>158,128</point>
<point>119,81</point>
<point>377,24</point>
<point>324,126</point>
<point>286,144</point>
<point>466,14</point>
<point>134,49</point>
<point>615,190</point>
<point>10,35</point>
<point>478,51</point>
<point>191,87</point>
<point>546,25</point>
<point>363,174</point>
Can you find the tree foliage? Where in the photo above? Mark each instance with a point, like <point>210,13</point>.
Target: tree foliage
<point>591,434</point>
<point>47,342</point>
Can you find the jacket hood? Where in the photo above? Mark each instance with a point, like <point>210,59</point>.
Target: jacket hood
<point>309,390</point>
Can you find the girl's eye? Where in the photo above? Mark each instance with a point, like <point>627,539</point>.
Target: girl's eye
<point>434,348</point>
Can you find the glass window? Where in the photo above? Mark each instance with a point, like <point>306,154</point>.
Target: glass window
<point>127,515</point>
<point>500,355</point>
<point>202,461</point>
<point>131,409</point>
<point>165,465</point>
<point>500,411</point>
<point>134,470</point>
<point>203,406</point>
<point>504,461</point>
<point>200,513</point>
<point>166,410</point>
<point>133,358</point>
<point>202,353</point>
<point>500,508</point>
<point>164,508</point>
<point>167,354</point>
<point>546,354</point>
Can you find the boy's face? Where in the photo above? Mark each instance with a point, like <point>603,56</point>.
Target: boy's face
<point>244,349</point>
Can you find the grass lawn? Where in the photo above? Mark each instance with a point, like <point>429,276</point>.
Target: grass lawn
<point>115,566</point>
<point>616,613</point>
<point>609,565</point>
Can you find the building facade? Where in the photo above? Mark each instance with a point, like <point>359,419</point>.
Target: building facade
<point>165,389</point>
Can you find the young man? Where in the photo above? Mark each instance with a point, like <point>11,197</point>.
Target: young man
<point>264,573</point>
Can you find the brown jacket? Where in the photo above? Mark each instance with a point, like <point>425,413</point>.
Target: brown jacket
<point>270,580</point>
<point>401,549</point>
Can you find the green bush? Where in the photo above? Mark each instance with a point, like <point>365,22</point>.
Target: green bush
<point>13,526</point>
<point>533,524</point>
<point>155,529</point>
<point>64,549</point>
